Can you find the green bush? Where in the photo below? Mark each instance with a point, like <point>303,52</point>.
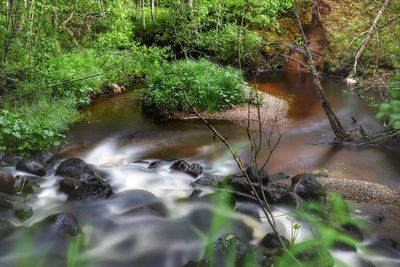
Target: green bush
<point>390,112</point>
<point>394,85</point>
<point>208,86</point>
<point>36,127</point>
<point>213,29</point>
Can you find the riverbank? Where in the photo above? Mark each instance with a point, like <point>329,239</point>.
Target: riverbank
<point>362,191</point>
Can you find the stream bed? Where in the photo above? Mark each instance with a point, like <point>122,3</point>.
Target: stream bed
<point>120,142</point>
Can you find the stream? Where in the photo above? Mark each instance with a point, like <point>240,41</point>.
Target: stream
<point>120,141</point>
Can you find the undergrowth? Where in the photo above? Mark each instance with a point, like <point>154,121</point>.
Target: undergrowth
<point>209,86</point>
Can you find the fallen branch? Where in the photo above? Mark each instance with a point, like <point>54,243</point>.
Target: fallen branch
<point>365,41</point>
<point>74,80</point>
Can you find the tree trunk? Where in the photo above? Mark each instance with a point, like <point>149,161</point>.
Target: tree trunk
<point>340,133</point>
<point>153,18</point>
<point>364,42</point>
<point>143,16</point>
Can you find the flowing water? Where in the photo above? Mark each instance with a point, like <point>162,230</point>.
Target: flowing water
<point>120,141</point>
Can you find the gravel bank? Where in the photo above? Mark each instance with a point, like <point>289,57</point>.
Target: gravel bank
<point>271,107</point>
<point>362,191</point>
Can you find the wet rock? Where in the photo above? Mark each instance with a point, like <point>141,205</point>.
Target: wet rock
<point>255,173</point>
<point>26,184</point>
<point>196,169</point>
<point>75,168</point>
<point>9,159</point>
<point>32,166</point>
<point>271,241</point>
<point>378,218</point>
<point>7,181</point>
<point>241,185</point>
<point>182,166</point>
<point>353,231</point>
<point>68,185</point>
<point>290,199</point>
<point>317,257</point>
<point>195,193</point>
<point>201,263</point>
<point>385,247</point>
<point>307,186</point>
<point>22,210</point>
<point>155,164</point>
<point>6,202</point>
<point>209,180</point>
<point>278,176</point>
<point>231,244</point>
<point>46,157</point>
<point>249,209</point>
<point>366,263</point>
<point>137,202</point>
<point>64,223</point>
<point>93,188</point>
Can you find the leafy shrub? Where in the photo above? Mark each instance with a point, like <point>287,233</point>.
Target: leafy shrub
<point>212,28</point>
<point>36,127</point>
<point>390,112</point>
<point>208,86</point>
<point>394,85</point>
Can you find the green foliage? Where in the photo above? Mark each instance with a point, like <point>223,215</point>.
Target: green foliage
<point>36,127</point>
<point>394,85</point>
<point>326,220</point>
<point>390,112</point>
<point>208,86</point>
<point>221,30</point>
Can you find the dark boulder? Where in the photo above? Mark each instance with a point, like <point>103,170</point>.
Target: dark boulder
<point>242,188</point>
<point>9,159</point>
<point>320,257</point>
<point>6,201</point>
<point>75,168</point>
<point>290,199</point>
<point>353,231</point>
<point>46,158</point>
<point>255,173</point>
<point>26,184</point>
<point>182,166</point>
<point>201,263</point>
<point>93,188</point>
<point>250,209</point>
<point>231,244</point>
<point>7,181</point>
<point>17,205</point>
<point>279,176</point>
<point>271,241</point>
<point>155,164</point>
<point>209,180</point>
<point>32,166</point>
<point>307,186</point>
<point>68,185</point>
<point>22,210</point>
<point>64,223</point>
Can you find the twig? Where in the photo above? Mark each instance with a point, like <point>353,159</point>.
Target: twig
<point>74,80</point>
